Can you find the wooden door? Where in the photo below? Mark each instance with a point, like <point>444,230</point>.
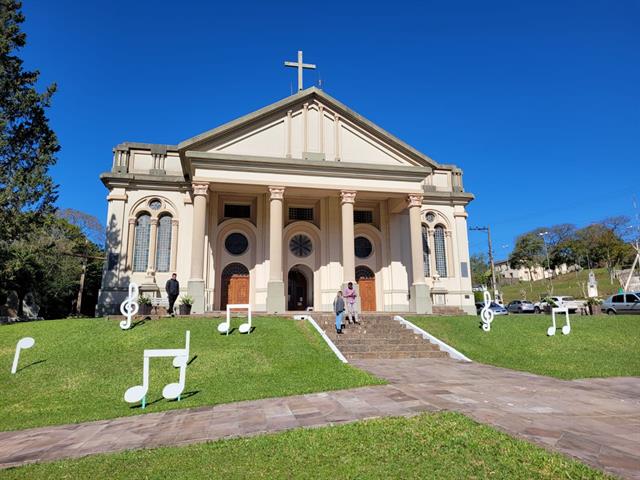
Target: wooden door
<point>239,289</point>
<point>367,287</point>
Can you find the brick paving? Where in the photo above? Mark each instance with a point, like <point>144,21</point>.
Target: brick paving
<point>597,421</point>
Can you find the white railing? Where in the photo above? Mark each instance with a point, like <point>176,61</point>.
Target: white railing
<point>453,353</point>
<point>332,346</point>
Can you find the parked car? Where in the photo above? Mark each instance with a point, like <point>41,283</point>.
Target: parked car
<point>520,306</point>
<point>560,301</point>
<point>622,303</point>
<point>497,309</point>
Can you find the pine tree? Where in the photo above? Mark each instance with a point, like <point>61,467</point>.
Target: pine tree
<point>27,143</point>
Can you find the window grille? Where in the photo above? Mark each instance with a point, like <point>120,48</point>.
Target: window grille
<point>301,245</point>
<point>362,247</point>
<point>362,216</point>
<point>236,243</point>
<point>232,210</point>
<point>163,244</point>
<point>299,213</point>
<point>363,272</point>
<point>141,243</point>
<point>441,253</point>
<point>426,266</point>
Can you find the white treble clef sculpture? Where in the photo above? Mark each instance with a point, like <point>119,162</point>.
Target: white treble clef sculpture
<point>486,313</point>
<point>130,306</point>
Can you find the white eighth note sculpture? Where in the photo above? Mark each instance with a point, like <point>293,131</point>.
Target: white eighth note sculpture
<point>130,306</point>
<point>225,327</point>
<point>486,313</point>
<point>23,344</point>
<point>566,329</point>
<point>170,391</point>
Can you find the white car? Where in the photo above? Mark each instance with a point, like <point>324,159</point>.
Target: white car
<point>561,301</point>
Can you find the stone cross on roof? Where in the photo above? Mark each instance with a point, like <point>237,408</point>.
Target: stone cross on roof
<point>300,66</point>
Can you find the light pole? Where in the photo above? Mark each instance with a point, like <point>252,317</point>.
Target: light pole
<point>546,251</point>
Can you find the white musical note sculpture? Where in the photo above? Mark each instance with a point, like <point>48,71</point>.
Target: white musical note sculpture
<point>23,344</point>
<point>130,306</point>
<point>170,391</point>
<point>225,327</point>
<point>486,313</point>
<point>566,329</point>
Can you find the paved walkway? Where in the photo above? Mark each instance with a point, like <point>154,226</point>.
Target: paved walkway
<point>597,421</point>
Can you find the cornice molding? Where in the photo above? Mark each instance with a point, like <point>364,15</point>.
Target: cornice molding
<point>288,166</point>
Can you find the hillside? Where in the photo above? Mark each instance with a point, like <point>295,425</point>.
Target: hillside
<point>568,284</point>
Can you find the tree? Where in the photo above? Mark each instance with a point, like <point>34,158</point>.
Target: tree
<point>480,270</point>
<point>27,144</point>
<point>90,225</point>
<point>47,263</point>
<point>528,252</point>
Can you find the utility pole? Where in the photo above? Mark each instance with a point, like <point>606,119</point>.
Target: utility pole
<point>493,267</point>
<point>546,251</point>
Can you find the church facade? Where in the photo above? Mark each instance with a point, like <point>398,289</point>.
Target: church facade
<point>282,207</point>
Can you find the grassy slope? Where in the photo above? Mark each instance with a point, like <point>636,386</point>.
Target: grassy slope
<point>445,445</point>
<point>86,365</point>
<point>600,346</point>
<point>568,284</point>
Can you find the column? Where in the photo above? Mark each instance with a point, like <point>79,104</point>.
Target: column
<point>420,301</point>
<point>275,288</point>
<point>462,246</point>
<point>130,238</point>
<point>196,281</point>
<point>347,198</point>
<point>153,245</point>
<point>174,244</point>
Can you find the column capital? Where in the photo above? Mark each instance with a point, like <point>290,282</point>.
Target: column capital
<point>414,200</point>
<point>132,220</point>
<point>347,196</point>
<point>277,193</point>
<point>153,221</point>
<point>200,188</point>
<point>175,222</point>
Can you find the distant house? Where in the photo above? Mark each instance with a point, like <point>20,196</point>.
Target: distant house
<point>524,274</point>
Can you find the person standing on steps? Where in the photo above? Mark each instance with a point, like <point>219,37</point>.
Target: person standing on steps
<point>173,290</point>
<point>338,308</point>
<point>350,297</point>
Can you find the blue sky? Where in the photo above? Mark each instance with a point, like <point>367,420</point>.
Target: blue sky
<point>538,103</point>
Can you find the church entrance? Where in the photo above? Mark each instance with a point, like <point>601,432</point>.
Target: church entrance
<point>235,285</point>
<point>366,280</point>
<point>300,288</point>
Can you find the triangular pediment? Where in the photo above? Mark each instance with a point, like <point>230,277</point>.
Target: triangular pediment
<point>308,125</point>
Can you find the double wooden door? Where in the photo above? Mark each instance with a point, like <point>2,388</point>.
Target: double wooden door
<point>235,289</point>
<point>367,287</point>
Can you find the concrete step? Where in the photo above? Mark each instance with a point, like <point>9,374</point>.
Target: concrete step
<point>399,354</point>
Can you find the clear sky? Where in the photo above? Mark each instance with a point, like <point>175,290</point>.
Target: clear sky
<point>538,102</point>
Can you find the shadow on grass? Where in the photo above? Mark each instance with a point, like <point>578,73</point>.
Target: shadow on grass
<point>192,360</point>
<point>159,399</point>
<point>138,323</point>
<point>30,365</point>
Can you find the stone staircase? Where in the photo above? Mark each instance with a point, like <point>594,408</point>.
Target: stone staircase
<point>377,336</point>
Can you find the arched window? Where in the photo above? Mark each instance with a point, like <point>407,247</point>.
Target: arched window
<point>163,244</point>
<point>425,251</point>
<point>141,245</point>
<point>441,253</point>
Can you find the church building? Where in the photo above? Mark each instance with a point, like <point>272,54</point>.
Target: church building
<point>281,208</point>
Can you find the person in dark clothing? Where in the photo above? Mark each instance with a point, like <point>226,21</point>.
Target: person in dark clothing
<point>173,290</point>
<point>338,308</point>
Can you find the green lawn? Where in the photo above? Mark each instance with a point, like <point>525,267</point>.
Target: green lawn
<point>569,284</point>
<point>600,346</point>
<point>443,445</point>
<point>78,370</point>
